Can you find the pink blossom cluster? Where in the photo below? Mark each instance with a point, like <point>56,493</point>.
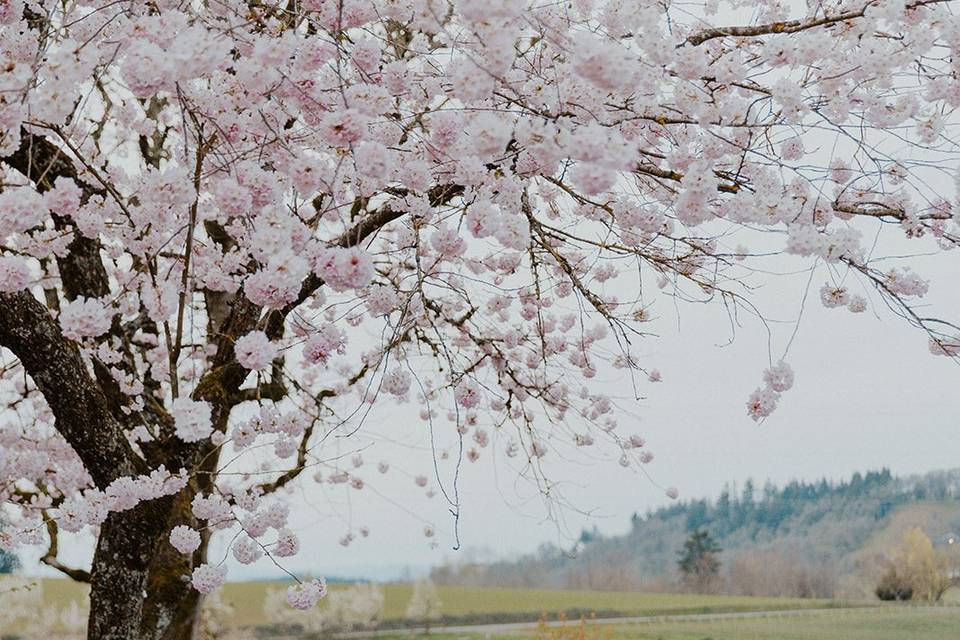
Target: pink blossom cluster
<point>14,274</point>
<point>838,296</point>
<point>487,201</point>
<point>343,269</point>
<point>192,419</point>
<point>90,507</point>
<point>255,351</point>
<point>763,401</point>
<point>324,343</point>
<point>278,283</point>
<point>184,539</point>
<point>207,578</point>
<point>306,594</point>
<point>246,550</point>
<point>285,427</point>
<point>397,382</point>
<point>85,318</point>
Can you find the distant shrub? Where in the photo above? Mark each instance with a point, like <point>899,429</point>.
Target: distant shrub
<point>424,604</point>
<point>8,562</point>
<point>916,570</point>
<point>780,572</point>
<point>893,587</point>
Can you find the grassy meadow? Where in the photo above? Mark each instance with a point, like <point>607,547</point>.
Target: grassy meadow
<point>796,620</point>
<point>881,623</point>
<point>247,599</point>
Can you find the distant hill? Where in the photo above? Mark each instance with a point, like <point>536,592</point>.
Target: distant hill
<point>802,539</point>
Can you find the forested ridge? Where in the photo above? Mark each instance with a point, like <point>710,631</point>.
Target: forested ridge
<point>821,529</point>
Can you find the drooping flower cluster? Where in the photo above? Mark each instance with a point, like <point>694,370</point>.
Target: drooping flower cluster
<point>343,269</point>
<point>208,578</point>
<point>14,274</point>
<point>91,507</point>
<point>763,401</point>
<point>307,594</point>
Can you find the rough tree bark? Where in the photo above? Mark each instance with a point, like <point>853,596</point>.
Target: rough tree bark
<point>171,609</point>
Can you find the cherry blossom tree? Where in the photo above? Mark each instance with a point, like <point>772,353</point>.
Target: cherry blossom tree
<point>230,228</point>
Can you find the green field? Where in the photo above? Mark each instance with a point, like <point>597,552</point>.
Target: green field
<point>465,604</point>
<point>462,602</point>
<point>883,623</point>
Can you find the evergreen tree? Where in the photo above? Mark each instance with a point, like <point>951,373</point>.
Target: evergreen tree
<point>8,562</point>
<point>699,562</point>
<point>722,512</point>
<point>697,515</point>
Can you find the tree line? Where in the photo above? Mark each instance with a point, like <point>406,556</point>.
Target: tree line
<point>804,538</point>
<point>770,507</point>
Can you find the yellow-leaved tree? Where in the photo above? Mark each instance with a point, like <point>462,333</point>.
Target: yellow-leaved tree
<point>917,571</point>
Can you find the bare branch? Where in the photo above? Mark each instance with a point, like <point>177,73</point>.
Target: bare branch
<point>50,557</point>
<point>789,26</point>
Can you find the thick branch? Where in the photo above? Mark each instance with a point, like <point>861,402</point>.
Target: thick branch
<point>296,470</point>
<point>81,270</point>
<point>50,557</point>
<point>78,404</point>
<point>789,26</point>
<point>272,391</point>
<point>676,176</point>
<point>877,210</point>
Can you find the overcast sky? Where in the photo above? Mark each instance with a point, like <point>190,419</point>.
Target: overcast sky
<point>868,394</point>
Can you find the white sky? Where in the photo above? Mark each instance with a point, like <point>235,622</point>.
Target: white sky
<point>867,394</point>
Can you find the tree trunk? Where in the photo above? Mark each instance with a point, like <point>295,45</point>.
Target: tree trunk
<point>140,585</point>
<point>172,609</point>
<point>120,566</point>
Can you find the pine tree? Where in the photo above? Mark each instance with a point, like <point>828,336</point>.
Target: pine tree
<point>698,561</point>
